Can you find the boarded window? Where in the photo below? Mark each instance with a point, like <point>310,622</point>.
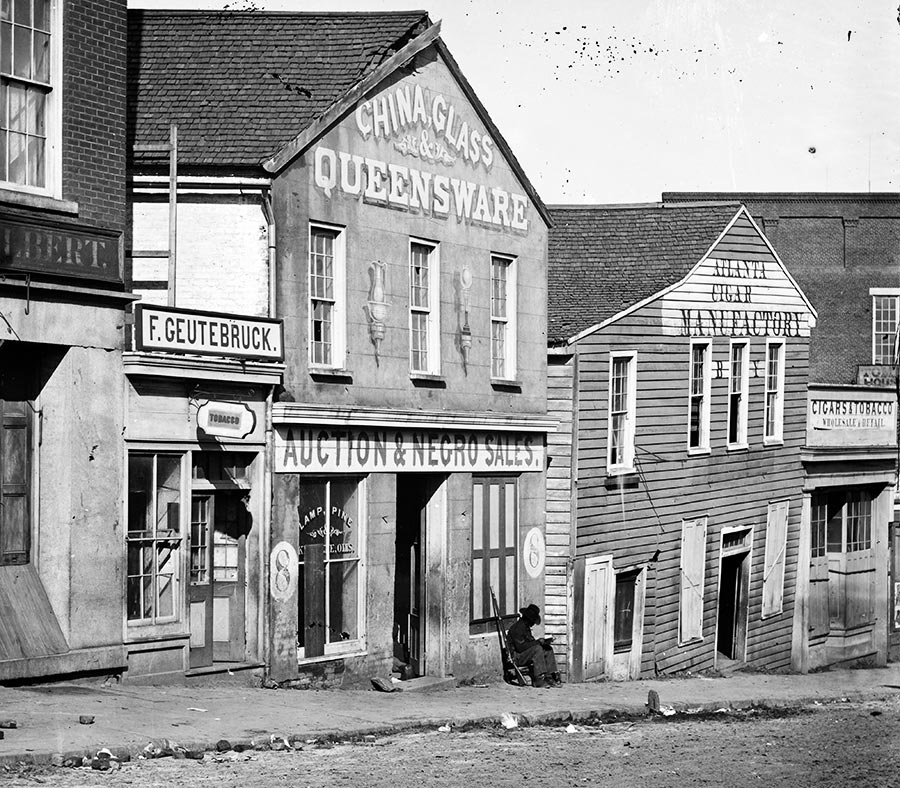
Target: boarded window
<point>693,559</point>
<point>330,538</point>
<point>15,475</point>
<point>773,572</point>
<point>494,539</point>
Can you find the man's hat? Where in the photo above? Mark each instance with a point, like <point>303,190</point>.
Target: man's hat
<point>531,613</point>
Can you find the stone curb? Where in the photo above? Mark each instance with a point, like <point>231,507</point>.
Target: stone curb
<point>532,718</point>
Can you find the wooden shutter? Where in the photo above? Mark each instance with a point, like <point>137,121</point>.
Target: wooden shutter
<point>15,472</point>
<point>776,545</point>
<point>693,562</point>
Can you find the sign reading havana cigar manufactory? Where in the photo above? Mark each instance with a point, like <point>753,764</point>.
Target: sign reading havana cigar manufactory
<point>321,449</point>
<point>421,125</point>
<point>61,251</point>
<point>207,333</point>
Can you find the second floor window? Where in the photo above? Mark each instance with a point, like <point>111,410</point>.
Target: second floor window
<point>622,383</point>
<point>698,408</point>
<point>26,85</point>
<point>774,404</point>
<point>737,395</point>
<point>424,338</point>
<point>884,328</point>
<point>503,318</point>
<point>326,296</point>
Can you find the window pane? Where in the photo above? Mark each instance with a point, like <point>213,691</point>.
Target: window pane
<point>140,471</point>
<point>343,598</point>
<point>36,174</point>
<point>22,12</point>
<point>343,533</point>
<point>42,14</point>
<point>199,543</point>
<point>168,493</point>
<point>6,48</point>
<point>22,51</point>
<point>18,112</point>
<point>6,10</point>
<point>311,510</point>
<point>42,57</point>
<point>624,612</point>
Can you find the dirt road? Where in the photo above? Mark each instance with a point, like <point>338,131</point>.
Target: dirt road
<point>833,745</point>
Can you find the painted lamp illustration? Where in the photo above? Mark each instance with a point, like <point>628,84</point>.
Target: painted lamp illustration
<point>377,306</point>
<point>465,334</point>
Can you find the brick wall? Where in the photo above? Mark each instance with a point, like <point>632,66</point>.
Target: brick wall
<point>94,109</point>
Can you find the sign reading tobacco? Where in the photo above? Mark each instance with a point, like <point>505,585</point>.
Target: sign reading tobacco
<point>60,251</point>
<point>207,333</point>
<point>321,449</point>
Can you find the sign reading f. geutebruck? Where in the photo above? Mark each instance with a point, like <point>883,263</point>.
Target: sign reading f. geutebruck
<point>207,333</point>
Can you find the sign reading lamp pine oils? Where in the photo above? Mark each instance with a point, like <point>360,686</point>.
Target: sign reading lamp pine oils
<point>423,153</point>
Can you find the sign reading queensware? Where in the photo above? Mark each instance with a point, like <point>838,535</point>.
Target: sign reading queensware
<point>326,449</point>
<point>207,333</point>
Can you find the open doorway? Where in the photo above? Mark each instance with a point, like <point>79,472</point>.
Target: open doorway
<point>418,532</point>
<point>734,579</point>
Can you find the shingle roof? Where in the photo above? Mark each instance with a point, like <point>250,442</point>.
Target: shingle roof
<point>240,85</point>
<point>603,259</point>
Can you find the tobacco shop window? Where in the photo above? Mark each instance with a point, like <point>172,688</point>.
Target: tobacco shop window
<point>698,401</point>
<point>503,318</point>
<point>424,320</point>
<point>843,521</point>
<point>495,528</point>
<point>738,381</point>
<point>819,517</point>
<point>29,75</point>
<point>885,303</point>
<point>621,423</point>
<point>774,404</point>
<point>330,585</point>
<point>154,537</point>
<point>327,296</point>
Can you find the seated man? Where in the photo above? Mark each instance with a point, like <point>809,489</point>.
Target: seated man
<point>536,653</point>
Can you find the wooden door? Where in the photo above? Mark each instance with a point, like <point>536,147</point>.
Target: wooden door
<point>599,588</point>
<point>416,625</point>
<point>200,590</point>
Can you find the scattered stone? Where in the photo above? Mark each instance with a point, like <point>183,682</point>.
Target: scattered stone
<point>151,751</point>
<point>86,719</point>
<point>194,755</point>
<point>297,745</point>
<point>8,724</point>
<point>653,701</point>
<point>278,742</point>
<point>223,745</point>
<point>71,762</point>
<point>57,760</point>
<point>100,764</point>
<point>242,747</point>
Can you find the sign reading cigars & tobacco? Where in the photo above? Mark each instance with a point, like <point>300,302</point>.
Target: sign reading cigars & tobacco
<point>159,328</point>
<point>317,449</point>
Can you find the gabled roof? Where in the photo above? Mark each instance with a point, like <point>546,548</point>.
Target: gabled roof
<point>240,84</point>
<point>604,259</point>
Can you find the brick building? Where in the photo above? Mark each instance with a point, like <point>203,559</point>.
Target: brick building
<point>336,172</point>
<point>844,251</point>
<point>62,300</point>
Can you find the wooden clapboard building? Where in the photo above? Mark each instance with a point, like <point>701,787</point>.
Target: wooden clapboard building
<point>677,368</point>
<point>405,251</point>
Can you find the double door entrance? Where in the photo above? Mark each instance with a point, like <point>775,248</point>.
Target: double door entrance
<point>219,527</point>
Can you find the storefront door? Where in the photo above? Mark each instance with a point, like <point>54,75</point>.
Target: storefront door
<point>219,527</point>
<point>409,580</point>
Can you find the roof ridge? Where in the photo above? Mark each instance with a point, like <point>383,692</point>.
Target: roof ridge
<point>265,12</point>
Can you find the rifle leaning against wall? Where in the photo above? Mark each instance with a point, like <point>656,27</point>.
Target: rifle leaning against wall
<point>511,672</point>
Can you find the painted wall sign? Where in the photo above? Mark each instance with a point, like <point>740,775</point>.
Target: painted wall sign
<point>850,421</point>
<point>207,333</point>
<point>442,151</point>
<point>872,375</point>
<point>283,571</point>
<point>535,552</point>
<point>59,250</point>
<point>226,419</point>
<point>736,298</point>
<point>319,449</point>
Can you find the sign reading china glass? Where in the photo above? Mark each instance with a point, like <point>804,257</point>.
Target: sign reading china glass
<point>417,123</point>
<point>207,333</point>
<point>325,449</point>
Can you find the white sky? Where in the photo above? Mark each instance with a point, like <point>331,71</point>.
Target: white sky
<point>619,100</point>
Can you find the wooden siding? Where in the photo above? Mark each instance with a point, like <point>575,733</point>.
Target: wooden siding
<point>560,379</point>
<point>731,487</point>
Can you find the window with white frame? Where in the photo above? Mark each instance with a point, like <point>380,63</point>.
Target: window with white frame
<point>154,537</point>
<point>622,407</point>
<point>503,317</point>
<point>738,380</point>
<point>29,75</point>
<point>327,287</point>
<point>424,322</point>
<point>885,310</point>
<point>698,401</point>
<point>331,586</point>
<point>774,404</point>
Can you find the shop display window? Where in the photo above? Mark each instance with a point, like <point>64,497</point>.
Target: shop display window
<point>495,529</point>
<point>330,586</point>
<point>154,537</point>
